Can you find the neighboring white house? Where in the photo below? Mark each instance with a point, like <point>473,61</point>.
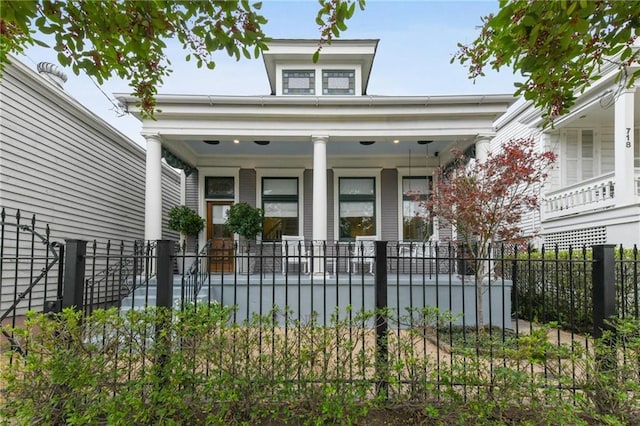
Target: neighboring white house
<point>72,170</point>
<point>592,195</point>
<point>325,159</point>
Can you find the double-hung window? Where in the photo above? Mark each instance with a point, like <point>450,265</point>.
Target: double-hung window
<point>280,202</point>
<point>357,207</point>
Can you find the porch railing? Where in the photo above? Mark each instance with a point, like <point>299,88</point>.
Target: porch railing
<point>591,194</point>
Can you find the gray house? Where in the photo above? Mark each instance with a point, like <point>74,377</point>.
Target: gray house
<point>69,167</point>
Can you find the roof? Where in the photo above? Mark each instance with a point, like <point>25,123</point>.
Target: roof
<point>300,51</point>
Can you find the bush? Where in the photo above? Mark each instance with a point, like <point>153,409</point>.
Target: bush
<point>195,366</point>
<point>558,286</point>
<point>185,220</point>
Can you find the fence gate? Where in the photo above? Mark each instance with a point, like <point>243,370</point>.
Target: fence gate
<point>30,279</point>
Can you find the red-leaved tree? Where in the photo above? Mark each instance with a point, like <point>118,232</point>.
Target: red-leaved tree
<point>485,201</point>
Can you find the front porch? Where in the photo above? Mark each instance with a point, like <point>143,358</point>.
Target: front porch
<point>589,195</point>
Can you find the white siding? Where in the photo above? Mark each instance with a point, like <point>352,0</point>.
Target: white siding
<point>510,127</point>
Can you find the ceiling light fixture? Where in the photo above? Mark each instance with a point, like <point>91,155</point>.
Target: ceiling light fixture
<point>263,143</point>
<point>367,142</point>
<point>236,141</point>
<point>396,141</point>
<point>211,142</point>
<point>424,142</point>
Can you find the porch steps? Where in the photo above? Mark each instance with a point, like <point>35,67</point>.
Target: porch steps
<point>146,295</point>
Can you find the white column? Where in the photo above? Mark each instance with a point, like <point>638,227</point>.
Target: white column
<point>483,147</point>
<point>319,198</point>
<point>623,146</point>
<point>153,190</point>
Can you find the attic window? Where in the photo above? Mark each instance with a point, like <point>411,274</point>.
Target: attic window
<point>298,82</point>
<point>338,82</point>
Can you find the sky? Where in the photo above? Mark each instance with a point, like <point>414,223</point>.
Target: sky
<point>417,40</point>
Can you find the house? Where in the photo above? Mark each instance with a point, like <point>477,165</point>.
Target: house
<point>72,170</point>
<point>592,195</point>
<point>325,160</point>
<point>68,166</point>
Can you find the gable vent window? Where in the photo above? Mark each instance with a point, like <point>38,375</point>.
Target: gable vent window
<point>301,82</point>
<point>338,82</point>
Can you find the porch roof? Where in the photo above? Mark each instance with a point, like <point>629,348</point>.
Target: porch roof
<point>289,122</point>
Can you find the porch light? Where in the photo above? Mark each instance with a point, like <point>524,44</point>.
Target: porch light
<point>211,142</point>
<point>367,142</point>
<point>396,141</point>
<point>263,143</point>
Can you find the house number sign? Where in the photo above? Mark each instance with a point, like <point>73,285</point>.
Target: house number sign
<point>628,137</point>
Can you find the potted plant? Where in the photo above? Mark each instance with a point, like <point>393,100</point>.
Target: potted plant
<point>188,223</point>
<point>246,221</point>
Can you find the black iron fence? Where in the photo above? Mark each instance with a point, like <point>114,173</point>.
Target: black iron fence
<point>417,312</point>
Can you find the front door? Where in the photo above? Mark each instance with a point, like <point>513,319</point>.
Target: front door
<point>222,245</point>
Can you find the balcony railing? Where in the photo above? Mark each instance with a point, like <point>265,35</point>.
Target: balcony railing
<point>591,194</point>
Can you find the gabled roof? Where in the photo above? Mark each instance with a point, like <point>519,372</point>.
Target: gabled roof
<point>300,51</point>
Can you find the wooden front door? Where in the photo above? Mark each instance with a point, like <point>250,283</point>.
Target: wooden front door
<point>222,245</point>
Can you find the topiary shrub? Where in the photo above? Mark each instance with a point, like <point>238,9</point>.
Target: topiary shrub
<point>185,220</point>
<point>245,220</point>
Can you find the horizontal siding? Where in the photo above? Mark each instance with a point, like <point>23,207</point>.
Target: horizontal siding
<point>66,166</point>
<point>514,129</point>
<point>192,190</point>
<point>307,208</point>
<point>389,205</point>
<point>247,187</point>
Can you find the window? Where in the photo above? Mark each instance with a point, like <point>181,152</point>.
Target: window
<point>357,207</point>
<point>415,192</point>
<point>580,156</point>
<point>219,187</point>
<point>298,82</point>
<point>280,204</point>
<point>338,82</point>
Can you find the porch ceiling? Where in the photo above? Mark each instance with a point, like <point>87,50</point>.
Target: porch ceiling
<point>336,147</point>
<point>289,124</point>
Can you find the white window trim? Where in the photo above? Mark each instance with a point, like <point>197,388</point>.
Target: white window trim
<point>351,172</point>
<point>303,66</point>
<point>284,173</point>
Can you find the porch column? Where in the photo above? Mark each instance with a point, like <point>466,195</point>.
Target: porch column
<point>319,199</point>
<point>153,189</point>
<point>623,146</point>
<point>483,146</point>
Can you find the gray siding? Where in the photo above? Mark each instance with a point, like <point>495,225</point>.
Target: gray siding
<point>330,206</point>
<point>67,166</point>
<point>247,187</point>
<point>191,190</point>
<point>307,208</point>
<point>389,205</point>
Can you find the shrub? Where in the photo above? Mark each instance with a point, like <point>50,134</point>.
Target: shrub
<point>185,220</point>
